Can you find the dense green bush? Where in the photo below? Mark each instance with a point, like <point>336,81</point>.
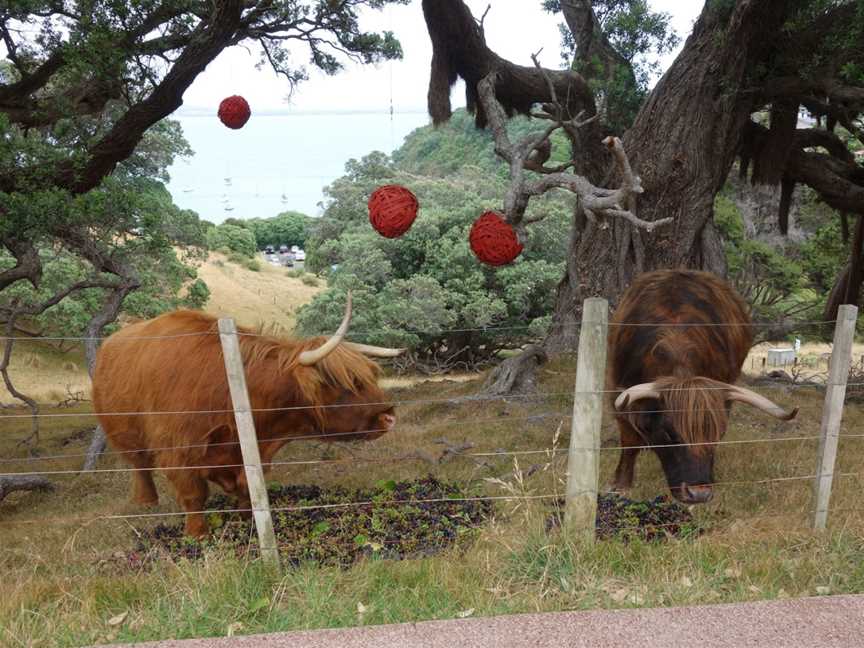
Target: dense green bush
<point>232,237</point>
<point>426,290</point>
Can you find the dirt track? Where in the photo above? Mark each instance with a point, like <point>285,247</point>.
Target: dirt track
<point>823,622</point>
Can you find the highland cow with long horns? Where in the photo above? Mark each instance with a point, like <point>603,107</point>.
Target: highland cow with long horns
<point>678,340</point>
<point>162,397</point>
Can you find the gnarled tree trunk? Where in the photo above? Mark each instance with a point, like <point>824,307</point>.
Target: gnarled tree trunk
<point>682,144</point>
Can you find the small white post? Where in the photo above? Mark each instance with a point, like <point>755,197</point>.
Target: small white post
<point>583,464</point>
<point>832,411</point>
<point>248,441</point>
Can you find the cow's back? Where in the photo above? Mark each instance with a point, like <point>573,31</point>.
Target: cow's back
<point>649,337</point>
<point>172,363</point>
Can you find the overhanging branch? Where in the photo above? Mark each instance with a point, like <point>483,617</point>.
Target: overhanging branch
<point>597,201</point>
<point>459,50</point>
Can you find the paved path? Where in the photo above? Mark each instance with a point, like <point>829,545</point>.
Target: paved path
<point>823,622</point>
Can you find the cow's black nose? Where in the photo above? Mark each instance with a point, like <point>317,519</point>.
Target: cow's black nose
<point>697,494</point>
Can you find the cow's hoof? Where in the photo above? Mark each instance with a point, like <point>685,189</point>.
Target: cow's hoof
<point>616,489</point>
<point>196,532</point>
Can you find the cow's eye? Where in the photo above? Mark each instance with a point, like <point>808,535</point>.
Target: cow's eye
<point>671,435</point>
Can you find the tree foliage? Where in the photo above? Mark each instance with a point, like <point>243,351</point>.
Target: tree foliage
<point>232,238</point>
<point>85,88</point>
<point>288,228</point>
<point>426,290</point>
<point>638,35</point>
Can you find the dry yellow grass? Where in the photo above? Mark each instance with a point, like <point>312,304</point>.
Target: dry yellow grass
<point>46,374</point>
<point>813,358</point>
<point>63,573</point>
<point>265,298</point>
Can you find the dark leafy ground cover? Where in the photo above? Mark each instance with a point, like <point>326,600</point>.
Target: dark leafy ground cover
<point>393,520</point>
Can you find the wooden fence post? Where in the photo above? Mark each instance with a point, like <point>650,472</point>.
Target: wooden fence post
<point>583,464</point>
<point>832,411</point>
<point>248,441</point>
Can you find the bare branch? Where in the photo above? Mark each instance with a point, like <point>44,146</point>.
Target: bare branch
<point>482,20</point>
<point>11,484</point>
<point>31,440</point>
<point>596,200</point>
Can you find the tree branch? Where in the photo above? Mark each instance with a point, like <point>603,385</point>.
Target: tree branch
<point>205,45</point>
<point>10,484</point>
<point>595,200</point>
<point>28,264</point>
<point>459,50</point>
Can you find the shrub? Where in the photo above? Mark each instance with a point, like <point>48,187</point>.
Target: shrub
<point>309,280</point>
<point>295,273</point>
<point>233,238</point>
<point>197,295</point>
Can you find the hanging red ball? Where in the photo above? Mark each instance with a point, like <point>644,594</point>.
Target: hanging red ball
<point>234,111</point>
<point>392,210</point>
<point>493,240</point>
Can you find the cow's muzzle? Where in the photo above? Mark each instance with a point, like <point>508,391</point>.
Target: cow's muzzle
<point>695,493</point>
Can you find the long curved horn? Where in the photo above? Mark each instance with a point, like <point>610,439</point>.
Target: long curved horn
<point>312,356</point>
<point>635,393</point>
<point>374,351</point>
<point>757,400</point>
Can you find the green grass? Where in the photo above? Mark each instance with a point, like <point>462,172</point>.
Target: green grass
<point>63,580</point>
<point>222,594</point>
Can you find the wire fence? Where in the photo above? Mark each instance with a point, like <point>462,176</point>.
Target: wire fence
<point>440,331</point>
<point>546,418</point>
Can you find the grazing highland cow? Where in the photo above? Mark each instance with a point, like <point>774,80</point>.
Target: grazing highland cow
<point>173,364</point>
<point>677,343</point>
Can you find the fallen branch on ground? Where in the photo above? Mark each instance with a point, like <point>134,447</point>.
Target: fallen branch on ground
<point>27,483</point>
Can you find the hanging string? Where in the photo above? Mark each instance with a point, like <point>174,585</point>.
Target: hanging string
<point>392,128</point>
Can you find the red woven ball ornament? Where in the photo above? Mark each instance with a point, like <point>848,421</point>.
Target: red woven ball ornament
<point>493,240</point>
<point>234,111</point>
<point>392,210</point>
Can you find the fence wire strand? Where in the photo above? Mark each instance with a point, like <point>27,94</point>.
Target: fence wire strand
<point>477,329</point>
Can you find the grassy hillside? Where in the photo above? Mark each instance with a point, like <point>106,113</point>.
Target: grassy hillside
<point>267,298</point>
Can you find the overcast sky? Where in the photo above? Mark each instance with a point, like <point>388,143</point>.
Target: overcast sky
<point>514,29</point>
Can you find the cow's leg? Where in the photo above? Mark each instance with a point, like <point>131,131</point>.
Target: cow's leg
<point>233,482</point>
<point>191,489</point>
<point>624,473</point>
<point>241,492</point>
<point>143,488</point>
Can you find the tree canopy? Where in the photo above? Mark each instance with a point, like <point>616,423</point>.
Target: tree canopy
<point>426,290</point>
<point>85,81</point>
<point>735,91</point>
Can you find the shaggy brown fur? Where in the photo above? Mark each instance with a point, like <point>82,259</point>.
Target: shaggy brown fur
<point>650,341</point>
<point>174,364</point>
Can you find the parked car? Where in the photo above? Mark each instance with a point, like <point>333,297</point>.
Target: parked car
<point>283,249</point>
<point>300,255</point>
<point>269,249</point>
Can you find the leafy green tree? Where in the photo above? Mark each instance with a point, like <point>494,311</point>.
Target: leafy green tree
<point>426,290</point>
<point>85,85</point>
<point>288,228</point>
<point>619,54</point>
<point>742,59</point>
<point>232,238</point>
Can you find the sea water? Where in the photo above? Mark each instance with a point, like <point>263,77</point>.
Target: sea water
<point>276,162</point>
